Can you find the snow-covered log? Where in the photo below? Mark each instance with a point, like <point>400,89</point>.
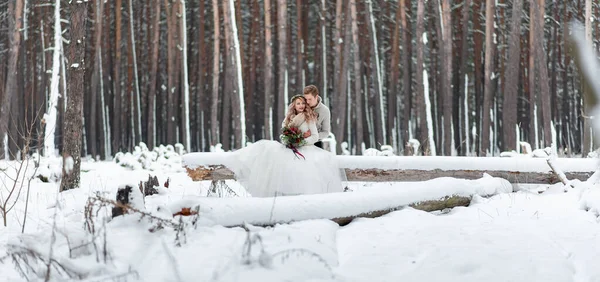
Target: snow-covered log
<point>213,166</point>
<point>342,207</point>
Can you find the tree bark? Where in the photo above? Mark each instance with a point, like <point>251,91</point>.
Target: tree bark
<point>407,70</point>
<point>214,108</point>
<point>358,112</point>
<point>542,72</point>
<point>234,66</point>
<point>447,92</point>
<point>420,111</point>
<point>15,24</point>
<point>268,72</point>
<point>73,122</point>
<point>394,77</point>
<point>587,135</point>
<point>282,62</point>
<point>151,125</point>
<point>509,109</point>
<point>489,84</point>
<point>118,95</point>
<point>96,76</point>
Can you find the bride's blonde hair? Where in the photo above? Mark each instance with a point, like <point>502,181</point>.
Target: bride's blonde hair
<point>309,113</point>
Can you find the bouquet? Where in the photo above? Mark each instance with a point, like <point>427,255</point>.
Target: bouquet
<point>292,137</point>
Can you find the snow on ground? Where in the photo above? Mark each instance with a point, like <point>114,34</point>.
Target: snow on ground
<point>516,236</point>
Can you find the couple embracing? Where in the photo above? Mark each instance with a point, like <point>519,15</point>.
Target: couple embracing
<point>270,168</point>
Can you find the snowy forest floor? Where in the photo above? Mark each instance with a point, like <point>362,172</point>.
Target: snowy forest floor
<point>537,233</point>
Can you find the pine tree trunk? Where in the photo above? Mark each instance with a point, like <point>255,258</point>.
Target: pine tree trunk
<point>99,12</point>
<point>478,71</point>
<point>420,112</point>
<point>407,70</point>
<point>447,101</point>
<point>489,84</point>
<point>15,23</point>
<point>214,108</point>
<point>381,134</point>
<point>118,95</point>
<point>509,109</point>
<point>462,78</point>
<point>234,67</point>
<point>587,135</point>
<point>73,122</point>
<point>357,79</point>
<point>269,92</point>
<point>282,62</point>
<point>185,128</point>
<point>542,73</point>
<point>151,125</point>
<point>394,77</point>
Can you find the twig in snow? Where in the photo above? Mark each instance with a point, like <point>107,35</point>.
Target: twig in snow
<point>559,173</point>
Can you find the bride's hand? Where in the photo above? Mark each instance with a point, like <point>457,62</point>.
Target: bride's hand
<point>307,134</point>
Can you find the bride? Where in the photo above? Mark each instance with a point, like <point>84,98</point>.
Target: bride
<point>269,168</point>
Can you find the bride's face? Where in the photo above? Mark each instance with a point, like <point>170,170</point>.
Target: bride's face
<point>299,105</point>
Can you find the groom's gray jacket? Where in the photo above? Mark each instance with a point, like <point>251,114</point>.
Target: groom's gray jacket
<point>323,120</point>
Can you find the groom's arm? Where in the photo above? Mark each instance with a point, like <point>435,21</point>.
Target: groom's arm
<point>325,125</point>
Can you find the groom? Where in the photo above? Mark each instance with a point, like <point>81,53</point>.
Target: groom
<point>311,93</point>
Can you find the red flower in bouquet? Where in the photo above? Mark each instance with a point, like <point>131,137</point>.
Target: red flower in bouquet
<point>293,138</point>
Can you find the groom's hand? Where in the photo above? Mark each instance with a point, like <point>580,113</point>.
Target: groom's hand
<point>307,134</point>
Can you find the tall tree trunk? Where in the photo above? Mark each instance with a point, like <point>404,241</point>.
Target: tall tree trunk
<point>187,138</point>
<point>587,135</point>
<point>357,78</point>
<point>136,109</point>
<point>381,134</point>
<point>394,77</point>
<point>301,45</point>
<point>542,72</point>
<point>282,63</point>
<point>463,143</point>
<point>337,43</point>
<point>201,94</point>
<point>489,84</point>
<point>171,74</point>
<point>533,117</point>
<point>118,95</point>
<point>478,70</point>
<point>234,66</point>
<point>15,24</point>
<point>73,123</point>
<point>509,109</point>
<point>340,106</point>
<point>447,92</point>
<point>420,111</point>
<point>407,70</point>
<point>96,75</point>
<point>151,125</point>
<point>51,117</point>
<point>252,97</point>
<point>214,108</point>
<point>269,93</point>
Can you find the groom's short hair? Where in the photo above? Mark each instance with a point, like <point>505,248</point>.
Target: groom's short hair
<point>312,90</point>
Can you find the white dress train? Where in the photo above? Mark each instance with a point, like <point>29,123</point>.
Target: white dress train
<point>268,168</point>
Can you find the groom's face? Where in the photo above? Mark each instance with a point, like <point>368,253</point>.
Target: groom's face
<point>311,100</point>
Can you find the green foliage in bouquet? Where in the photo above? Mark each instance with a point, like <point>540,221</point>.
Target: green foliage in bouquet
<point>292,136</point>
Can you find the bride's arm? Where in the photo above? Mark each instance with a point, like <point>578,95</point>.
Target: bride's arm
<point>314,134</point>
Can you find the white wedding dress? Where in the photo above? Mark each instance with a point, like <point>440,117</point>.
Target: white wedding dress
<point>268,168</point>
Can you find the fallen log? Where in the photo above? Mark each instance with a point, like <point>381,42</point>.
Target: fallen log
<point>213,166</point>
<point>341,207</point>
<point>408,175</point>
<point>446,202</point>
